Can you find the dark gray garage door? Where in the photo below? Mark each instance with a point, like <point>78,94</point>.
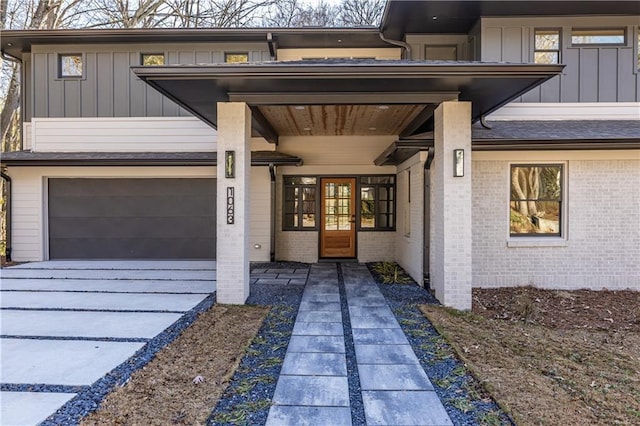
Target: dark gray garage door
<point>132,218</point>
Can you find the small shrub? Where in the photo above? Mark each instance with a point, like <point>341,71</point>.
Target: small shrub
<point>391,273</point>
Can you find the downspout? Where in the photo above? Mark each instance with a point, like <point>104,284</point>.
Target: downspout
<point>7,249</point>
<point>426,221</point>
<point>406,53</point>
<point>272,245</point>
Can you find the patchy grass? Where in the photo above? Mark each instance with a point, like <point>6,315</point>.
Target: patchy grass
<point>551,357</point>
<point>390,273</point>
<point>164,392</point>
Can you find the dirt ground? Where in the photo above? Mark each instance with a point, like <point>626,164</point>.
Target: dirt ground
<point>552,357</point>
<point>164,391</point>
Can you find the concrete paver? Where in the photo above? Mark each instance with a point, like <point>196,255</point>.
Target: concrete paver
<point>385,354</point>
<point>322,344</point>
<point>401,377</point>
<point>85,324</point>
<point>121,265</point>
<point>283,415</point>
<point>404,408</point>
<point>318,329</point>
<point>61,362</point>
<point>119,286</point>
<point>34,407</point>
<point>319,391</point>
<point>314,364</point>
<point>126,274</point>
<point>371,336</point>
<point>108,301</point>
<point>50,315</point>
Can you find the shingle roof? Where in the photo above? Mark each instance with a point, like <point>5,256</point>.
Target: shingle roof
<point>530,136</point>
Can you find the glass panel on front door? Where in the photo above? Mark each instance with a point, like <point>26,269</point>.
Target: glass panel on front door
<point>338,231</point>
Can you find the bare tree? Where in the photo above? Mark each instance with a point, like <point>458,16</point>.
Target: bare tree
<point>361,12</point>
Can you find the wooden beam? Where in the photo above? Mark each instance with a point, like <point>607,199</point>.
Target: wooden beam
<point>261,125</point>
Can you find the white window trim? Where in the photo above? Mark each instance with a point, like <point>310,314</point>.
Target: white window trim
<point>529,241</point>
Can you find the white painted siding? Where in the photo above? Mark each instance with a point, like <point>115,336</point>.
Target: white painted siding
<point>26,135</point>
<point>601,247</point>
<point>260,214</point>
<point>568,111</point>
<point>29,233</point>
<point>410,236</point>
<point>122,134</point>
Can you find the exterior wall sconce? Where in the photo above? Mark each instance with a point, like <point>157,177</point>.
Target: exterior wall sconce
<point>229,164</point>
<point>458,162</point>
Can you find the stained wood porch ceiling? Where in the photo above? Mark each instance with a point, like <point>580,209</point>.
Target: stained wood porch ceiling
<point>340,120</point>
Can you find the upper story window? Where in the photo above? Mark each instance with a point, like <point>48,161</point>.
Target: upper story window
<point>151,59</point>
<point>536,200</point>
<point>235,58</point>
<point>70,65</point>
<point>547,46</point>
<point>441,53</point>
<point>610,36</point>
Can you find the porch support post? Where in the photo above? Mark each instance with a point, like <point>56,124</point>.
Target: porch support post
<point>451,202</point>
<point>232,252</point>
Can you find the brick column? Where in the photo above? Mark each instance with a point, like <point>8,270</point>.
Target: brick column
<point>232,252</point>
<point>451,202</point>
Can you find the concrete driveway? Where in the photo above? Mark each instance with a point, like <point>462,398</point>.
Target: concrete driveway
<point>65,324</point>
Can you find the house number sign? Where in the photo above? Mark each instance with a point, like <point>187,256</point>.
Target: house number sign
<point>230,205</point>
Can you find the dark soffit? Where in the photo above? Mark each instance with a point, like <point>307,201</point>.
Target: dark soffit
<point>458,16</point>
<point>487,85</point>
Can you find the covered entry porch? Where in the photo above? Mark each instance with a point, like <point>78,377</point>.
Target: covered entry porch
<point>323,111</point>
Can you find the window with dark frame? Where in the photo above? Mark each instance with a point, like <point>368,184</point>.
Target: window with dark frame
<point>547,46</point>
<point>152,59</point>
<point>535,207</point>
<point>598,36</point>
<point>300,203</point>
<point>70,65</point>
<point>376,203</point>
<point>236,58</point>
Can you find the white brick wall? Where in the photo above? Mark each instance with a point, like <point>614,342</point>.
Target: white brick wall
<point>233,243</point>
<point>602,244</point>
<point>451,243</point>
<point>376,246</point>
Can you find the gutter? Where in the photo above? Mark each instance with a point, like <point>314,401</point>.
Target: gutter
<point>7,179</point>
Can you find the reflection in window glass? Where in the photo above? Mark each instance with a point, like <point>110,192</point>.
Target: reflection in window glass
<point>235,58</point>
<point>547,46</point>
<point>536,200</point>
<point>598,36</point>
<point>150,59</point>
<point>70,65</point>
<point>377,202</point>
<point>299,203</point>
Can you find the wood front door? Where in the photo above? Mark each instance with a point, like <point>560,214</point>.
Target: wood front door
<point>338,218</point>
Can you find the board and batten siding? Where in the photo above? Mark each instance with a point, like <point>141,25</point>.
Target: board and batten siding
<point>600,246</point>
<point>122,134</point>
<point>29,205</point>
<point>108,88</point>
<point>605,73</point>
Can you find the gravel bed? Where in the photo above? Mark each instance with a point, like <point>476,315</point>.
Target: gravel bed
<point>89,399</point>
<point>463,397</point>
<point>353,378</point>
<point>247,399</point>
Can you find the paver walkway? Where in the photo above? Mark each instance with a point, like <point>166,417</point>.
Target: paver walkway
<point>313,387</point>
